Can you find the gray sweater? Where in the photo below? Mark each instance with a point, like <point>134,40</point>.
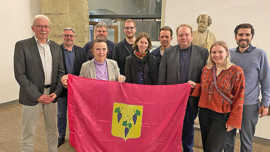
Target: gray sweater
<point>257,74</point>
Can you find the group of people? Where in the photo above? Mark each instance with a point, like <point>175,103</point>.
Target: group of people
<point>225,83</point>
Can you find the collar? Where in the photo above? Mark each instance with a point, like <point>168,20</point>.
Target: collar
<point>186,49</point>
<point>48,41</point>
<point>249,49</point>
<point>125,40</point>
<point>164,48</point>
<point>140,55</point>
<point>68,51</point>
<point>98,63</point>
<point>63,47</point>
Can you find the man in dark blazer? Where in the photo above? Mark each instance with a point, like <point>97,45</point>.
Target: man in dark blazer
<point>73,58</point>
<point>38,67</point>
<point>180,64</point>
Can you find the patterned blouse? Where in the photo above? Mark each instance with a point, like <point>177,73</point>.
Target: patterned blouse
<point>230,82</point>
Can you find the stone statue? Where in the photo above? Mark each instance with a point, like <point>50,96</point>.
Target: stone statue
<point>202,36</point>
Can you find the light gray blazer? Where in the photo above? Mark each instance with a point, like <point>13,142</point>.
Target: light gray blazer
<point>88,70</point>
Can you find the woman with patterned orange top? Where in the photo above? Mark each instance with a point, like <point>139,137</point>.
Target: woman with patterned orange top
<point>221,94</point>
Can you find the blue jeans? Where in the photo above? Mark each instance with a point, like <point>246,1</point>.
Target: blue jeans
<point>249,122</point>
<point>188,129</point>
<point>62,116</point>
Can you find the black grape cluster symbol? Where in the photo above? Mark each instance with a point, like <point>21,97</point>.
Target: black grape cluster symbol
<point>125,123</point>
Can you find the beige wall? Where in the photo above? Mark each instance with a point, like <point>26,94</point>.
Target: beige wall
<point>17,19</point>
<point>67,13</point>
<point>226,15</point>
<point>16,23</point>
<point>115,5</point>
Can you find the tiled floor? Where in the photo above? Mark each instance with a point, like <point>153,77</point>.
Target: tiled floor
<point>259,145</point>
<point>10,117</point>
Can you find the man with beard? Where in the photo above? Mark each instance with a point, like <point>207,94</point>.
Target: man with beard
<point>165,37</point>
<point>73,57</point>
<point>124,48</point>
<point>257,74</point>
<point>203,37</point>
<point>100,32</point>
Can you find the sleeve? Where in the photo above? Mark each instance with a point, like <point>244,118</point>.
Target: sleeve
<point>196,92</point>
<point>83,55</point>
<point>163,69</point>
<point>21,75</point>
<point>83,70</point>
<point>206,54</point>
<point>60,73</point>
<point>110,51</point>
<point>128,70</point>
<point>265,80</point>
<point>86,48</point>
<point>235,117</point>
<point>115,55</point>
<point>154,69</point>
<point>116,70</point>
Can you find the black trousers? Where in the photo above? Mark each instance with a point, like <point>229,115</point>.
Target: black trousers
<point>213,130</point>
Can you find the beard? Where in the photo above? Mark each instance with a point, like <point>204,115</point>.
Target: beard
<point>101,37</point>
<point>243,45</point>
<point>130,36</point>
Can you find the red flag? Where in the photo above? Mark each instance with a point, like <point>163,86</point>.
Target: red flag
<point>107,116</point>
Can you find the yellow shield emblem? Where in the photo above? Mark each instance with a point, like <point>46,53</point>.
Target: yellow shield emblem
<point>127,121</point>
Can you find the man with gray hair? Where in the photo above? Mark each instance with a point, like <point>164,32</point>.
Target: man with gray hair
<point>73,58</point>
<point>38,66</point>
<point>100,32</point>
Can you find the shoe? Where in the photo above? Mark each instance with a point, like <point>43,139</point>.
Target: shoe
<point>61,141</point>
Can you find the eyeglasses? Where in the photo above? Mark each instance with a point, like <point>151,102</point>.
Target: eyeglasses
<point>129,28</point>
<point>42,26</point>
<point>68,35</point>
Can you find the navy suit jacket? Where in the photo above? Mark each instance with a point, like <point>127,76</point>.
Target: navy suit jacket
<point>80,58</point>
